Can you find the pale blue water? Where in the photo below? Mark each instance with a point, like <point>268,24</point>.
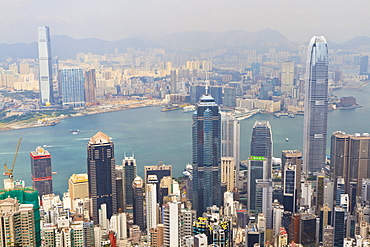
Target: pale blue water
<point>155,136</point>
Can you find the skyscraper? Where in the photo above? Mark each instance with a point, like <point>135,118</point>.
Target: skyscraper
<point>315,105</point>
<point>364,65</point>
<point>287,77</point>
<point>350,160</point>
<point>173,78</point>
<point>90,85</point>
<point>73,92</point>
<point>41,171</point>
<point>101,172</point>
<point>138,189</point>
<point>206,138</point>
<point>129,174</point>
<point>261,144</point>
<point>45,66</point>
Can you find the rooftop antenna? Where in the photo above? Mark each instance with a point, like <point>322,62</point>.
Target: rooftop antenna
<point>206,82</point>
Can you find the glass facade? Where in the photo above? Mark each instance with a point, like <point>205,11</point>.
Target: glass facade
<point>316,105</point>
<point>45,66</point>
<point>73,92</point>
<point>206,139</point>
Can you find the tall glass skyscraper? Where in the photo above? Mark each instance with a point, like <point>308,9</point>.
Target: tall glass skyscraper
<point>315,105</point>
<point>101,171</point>
<point>259,166</point>
<point>45,66</point>
<point>73,92</point>
<point>206,133</point>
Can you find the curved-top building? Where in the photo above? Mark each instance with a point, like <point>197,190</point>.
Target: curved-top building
<point>316,105</point>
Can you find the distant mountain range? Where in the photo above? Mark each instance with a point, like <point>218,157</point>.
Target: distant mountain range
<point>189,42</point>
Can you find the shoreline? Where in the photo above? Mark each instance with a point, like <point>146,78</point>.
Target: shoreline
<point>57,120</point>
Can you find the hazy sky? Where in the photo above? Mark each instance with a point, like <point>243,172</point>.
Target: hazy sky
<point>298,20</point>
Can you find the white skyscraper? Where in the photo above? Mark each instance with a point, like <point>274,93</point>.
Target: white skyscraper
<point>45,66</point>
<point>151,206</point>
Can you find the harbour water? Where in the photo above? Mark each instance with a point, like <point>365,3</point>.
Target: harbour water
<point>156,136</point>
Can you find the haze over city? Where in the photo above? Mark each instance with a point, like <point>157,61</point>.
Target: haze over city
<point>339,20</point>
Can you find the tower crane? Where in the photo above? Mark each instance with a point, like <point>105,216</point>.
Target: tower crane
<point>9,172</point>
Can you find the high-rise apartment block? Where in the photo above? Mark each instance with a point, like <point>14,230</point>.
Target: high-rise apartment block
<point>206,135</point>
<point>17,226</point>
<point>101,172</point>
<point>41,171</point>
<point>316,105</point>
<point>72,82</point>
<point>45,66</point>
<point>287,77</point>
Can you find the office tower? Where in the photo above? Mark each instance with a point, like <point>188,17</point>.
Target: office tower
<point>101,171</point>
<point>90,85</point>
<point>315,105</point>
<point>119,188</point>
<point>325,220</point>
<point>364,65</point>
<point>351,161</point>
<point>267,90</point>
<point>206,139</point>
<point>339,226</point>
<point>229,97</point>
<point>230,138</point>
<point>45,66</point>
<point>159,170</point>
<point>293,157</point>
<point>41,171</point>
<point>261,144</point>
<point>216,93</point>
<point>17,226</point>
<point>228,173</point>
<point>173,81</point>
<point>320,185</point>
<point>266,210</point>
<point>290,190</point>
<point>307,234</point>
<point>171,224</point>
<point>138,206</point>
<point>78,186</point>
<point>151,206</point>
<point>287,77</point>
<point>129,174</point>
<point>72,82</point>
<point>256,170</point>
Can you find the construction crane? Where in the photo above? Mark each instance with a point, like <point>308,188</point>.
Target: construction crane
<point>9,172</point>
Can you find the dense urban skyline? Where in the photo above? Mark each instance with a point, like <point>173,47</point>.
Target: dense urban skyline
<point>163,16</point>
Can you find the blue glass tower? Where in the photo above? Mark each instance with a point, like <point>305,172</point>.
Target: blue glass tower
<point>73,92</point>
<point>206,132</point>
<point>315,105</point>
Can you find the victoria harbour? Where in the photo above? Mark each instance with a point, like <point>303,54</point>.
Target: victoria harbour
<point>155,136</point>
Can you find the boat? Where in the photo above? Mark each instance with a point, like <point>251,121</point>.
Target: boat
<point>291,115</point>
<point>287,139</point>
<point>277,115</point>
<point>189,108</point>
<point>74,131</point>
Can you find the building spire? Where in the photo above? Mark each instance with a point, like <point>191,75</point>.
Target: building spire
<point>206,82</point>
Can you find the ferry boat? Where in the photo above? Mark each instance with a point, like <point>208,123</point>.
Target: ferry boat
<point>74,131</point>
<point>189,108</point>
